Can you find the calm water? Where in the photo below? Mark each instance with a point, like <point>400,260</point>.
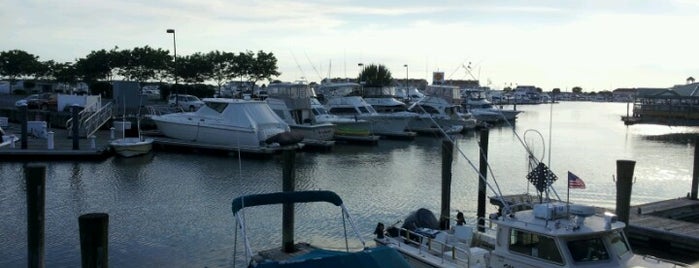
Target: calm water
<point>169,209</point>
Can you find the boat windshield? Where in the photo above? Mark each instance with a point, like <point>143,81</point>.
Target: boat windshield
<point>588,250</point>
<point>319,111</point>
<point>619,244</point>
<point>217,106</point>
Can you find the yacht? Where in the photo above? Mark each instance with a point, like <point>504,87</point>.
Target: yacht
<point>440,111</point>
<point>383,124</point>
<point>246,125</point>
<point>292,103</point>
<point>350,129</point>
<point>483,110</point>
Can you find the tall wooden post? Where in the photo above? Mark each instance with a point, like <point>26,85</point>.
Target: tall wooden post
<point>624,182</point>
<point>483,168</point>
<point>695,174</point>
<point>288,209</point>
<point>23,117</point>
<point>35,176</point>
<point>76,127</point>
<point>447,158</point>
<point>94,235</point>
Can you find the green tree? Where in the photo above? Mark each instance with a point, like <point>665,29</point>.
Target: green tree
<point>577,90</point>
<point>556,91</point>
<point>375,76</point>
<point>222,70</point>
<point>17,63</point>
<point>98,65</point>
<point>194,68</point>
<point>263,67</point>
<point>142,63</point>
<point>65,73</point>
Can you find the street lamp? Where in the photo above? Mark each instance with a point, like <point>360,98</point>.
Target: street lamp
<point>407,89</point>
<point>174,46</point>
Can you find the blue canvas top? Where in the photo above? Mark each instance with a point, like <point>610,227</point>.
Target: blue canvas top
<point>285,197</point>
<point>378,257</point>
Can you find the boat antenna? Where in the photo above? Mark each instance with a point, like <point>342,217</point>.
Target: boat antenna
<point>313,66</point>
<point>297,64</point>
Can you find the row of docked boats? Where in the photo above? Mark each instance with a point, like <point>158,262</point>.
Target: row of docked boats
<point>292,113</point>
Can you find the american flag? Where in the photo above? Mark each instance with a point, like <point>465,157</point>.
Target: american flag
<point>575,181</point>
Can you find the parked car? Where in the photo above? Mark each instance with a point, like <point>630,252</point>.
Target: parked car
<point>185,102</point>
<point>43,101</point>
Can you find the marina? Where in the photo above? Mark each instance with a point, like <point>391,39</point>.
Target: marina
<point>173,209</point>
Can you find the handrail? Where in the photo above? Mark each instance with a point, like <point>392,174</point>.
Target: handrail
<point>90,121</point>
<point>434,247</point>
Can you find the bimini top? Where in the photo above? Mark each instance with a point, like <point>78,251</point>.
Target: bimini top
<point>285,198</point>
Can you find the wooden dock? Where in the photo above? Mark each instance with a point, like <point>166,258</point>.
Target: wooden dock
<point>669,225</point>
<point>38,150</point>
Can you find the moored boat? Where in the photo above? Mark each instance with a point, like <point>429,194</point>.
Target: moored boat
<point>132,146</point>
<point>383,124</point>
<point>247,125</point>
<point>307,255</point>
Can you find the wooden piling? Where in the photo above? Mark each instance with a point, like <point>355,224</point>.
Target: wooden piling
<point>23,121</point>
<point>288,209</point>
<point>76,127</point>
<point>695,174</point>
<point>94,234</point>
<point>483,169</point>
<point>447,158</point>
<point>624,182</point>
<point>35,176</point>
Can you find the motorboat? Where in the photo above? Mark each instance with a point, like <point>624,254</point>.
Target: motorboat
<point>483,110</point>
<point>440,111</point>
<point>353,129</point>
<point>549,235</point>
<point>390,124</point>
<point>247,125</point>
<point>304,254</point>
<point>131,146</point>
<point>292,103</point>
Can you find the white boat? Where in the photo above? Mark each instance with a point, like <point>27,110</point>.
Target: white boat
<point>132,146</point>
<point>383,124</point>
<point>292,103</point>
<point>545,236</point>
<point>440,111</point>
<point>345,128</point>
<point>8,140</point>
<point>246,125</point>
<point>483,110</point>
<point>305,254</point>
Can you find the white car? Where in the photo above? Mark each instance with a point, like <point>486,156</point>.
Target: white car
<point>185,102</point>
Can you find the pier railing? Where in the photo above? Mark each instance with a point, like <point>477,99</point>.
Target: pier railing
<point>90,120</point>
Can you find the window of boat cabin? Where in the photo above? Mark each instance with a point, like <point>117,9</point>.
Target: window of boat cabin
<point>421,109</point>
<point>535,245</point>
<point>343,110</point>
<point>217,106</point>
<point>619,243</point>
<point>588,250</point>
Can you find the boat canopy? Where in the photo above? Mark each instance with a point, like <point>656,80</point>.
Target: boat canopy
<point>378,257</point>
<point>285,198</point>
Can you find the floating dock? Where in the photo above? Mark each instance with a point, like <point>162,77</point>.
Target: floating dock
<point>37,149</point>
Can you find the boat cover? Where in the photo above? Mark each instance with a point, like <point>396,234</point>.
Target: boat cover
<point>285,198</point>
<point>378,257</point>
<point>421,218</point>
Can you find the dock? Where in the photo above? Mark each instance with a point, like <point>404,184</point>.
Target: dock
<point>38,147</point>
<point>669,225</point>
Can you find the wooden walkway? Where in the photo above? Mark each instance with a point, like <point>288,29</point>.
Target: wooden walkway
<point>666,225</point>
<point>37,148</point>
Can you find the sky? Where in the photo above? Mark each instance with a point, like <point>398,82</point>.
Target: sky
<point>594,44</point>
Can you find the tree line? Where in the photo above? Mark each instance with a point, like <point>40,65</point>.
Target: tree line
<point>142,64</point>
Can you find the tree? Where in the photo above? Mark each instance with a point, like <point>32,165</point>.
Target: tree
<point>65,73</point>
<point>98,65</point>
<point>264,67</point>
<point>194,68</point>
<point>577,90</point>
<point>375,76</point>
<point>142,63</point>
<point>18,63</point>
<point>556,91</point>
<point>222,67</point>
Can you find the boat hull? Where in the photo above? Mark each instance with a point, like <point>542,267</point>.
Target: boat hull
<point>130,147</point>
<point>316,132</point>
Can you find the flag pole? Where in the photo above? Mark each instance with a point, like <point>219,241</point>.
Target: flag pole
<point>568,197</point>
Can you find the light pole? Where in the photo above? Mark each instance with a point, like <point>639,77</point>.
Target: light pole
<point>174,50</point>
<point>407,89</point>
<point>361,74</point>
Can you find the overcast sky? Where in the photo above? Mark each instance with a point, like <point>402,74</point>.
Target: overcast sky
<point>598,45</point>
